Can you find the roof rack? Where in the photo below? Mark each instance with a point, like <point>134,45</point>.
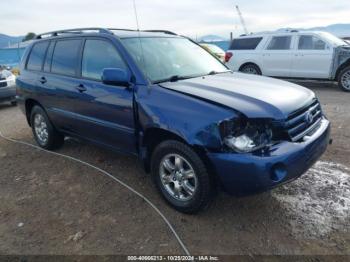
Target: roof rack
<point>160,31</point>
<point>99,30</point>
<point>151,31</point>
<point>73,31</point>
<point>121,29</point>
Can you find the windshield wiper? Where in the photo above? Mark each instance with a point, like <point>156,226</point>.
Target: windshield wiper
<point>176,78</point>
<point>216,72</point>
<point>173,78</point>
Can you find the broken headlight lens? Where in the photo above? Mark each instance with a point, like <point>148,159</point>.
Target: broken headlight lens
<point>245,137</point>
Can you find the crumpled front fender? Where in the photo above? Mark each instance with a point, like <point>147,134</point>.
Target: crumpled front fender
<point>194,120</point>
<point>341,56</point>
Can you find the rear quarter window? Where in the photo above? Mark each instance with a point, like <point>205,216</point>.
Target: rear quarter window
<point>65,57</point>
<point>245,43</point>
<point>36,56</point>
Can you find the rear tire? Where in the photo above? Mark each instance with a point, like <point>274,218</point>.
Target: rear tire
<point>44,132</point>
<point>181,177</point>
<point>251,69</point>
<point>344,79</point>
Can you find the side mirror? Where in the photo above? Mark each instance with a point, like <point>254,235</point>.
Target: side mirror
<point>116,76</point>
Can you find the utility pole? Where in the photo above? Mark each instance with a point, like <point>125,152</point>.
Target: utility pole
<point>242,20</point>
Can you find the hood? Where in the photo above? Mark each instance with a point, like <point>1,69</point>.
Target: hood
<point>253,96</point>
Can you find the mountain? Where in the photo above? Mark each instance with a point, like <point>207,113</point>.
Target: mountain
<point>340,30</point>
<point>6,40</point>
<point>211,38</point>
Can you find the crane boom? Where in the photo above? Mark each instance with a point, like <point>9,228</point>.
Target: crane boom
<point>242,20</point>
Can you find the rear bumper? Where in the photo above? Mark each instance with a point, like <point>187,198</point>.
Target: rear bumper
<point>7,93</point>
<point>251,173</point>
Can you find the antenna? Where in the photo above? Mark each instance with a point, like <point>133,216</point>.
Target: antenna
<point>138,32</point>
<point>136,17</point>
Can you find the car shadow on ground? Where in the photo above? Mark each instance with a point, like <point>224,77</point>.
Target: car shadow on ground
<point>5,105</point>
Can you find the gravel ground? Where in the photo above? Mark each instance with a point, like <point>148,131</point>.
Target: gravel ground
<point>51,205</point>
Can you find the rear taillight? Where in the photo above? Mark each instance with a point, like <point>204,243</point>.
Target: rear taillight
<point>228,56</point>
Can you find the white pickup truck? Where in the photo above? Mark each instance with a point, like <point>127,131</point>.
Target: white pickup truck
<point>293,54</point>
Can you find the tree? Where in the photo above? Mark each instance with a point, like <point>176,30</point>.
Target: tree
<point>28,36</point>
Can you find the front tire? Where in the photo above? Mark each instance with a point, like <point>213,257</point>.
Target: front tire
<point>181,177</point>
<point>13,103</point>
<point>44,132</point>
<point>344,79</point>
<point>251,69</point>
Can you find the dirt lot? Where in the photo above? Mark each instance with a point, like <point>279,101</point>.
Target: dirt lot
<point>50,205</point>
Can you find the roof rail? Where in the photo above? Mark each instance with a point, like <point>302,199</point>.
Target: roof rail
<point>160,31</point>
<point>121,29</point>
<point>98,29</point>
<point>151,31</point>
<point>73,31</point>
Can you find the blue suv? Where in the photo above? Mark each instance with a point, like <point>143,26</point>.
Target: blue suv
<point>194,124</point>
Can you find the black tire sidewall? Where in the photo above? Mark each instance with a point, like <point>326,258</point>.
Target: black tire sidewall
<point>346,69</point>
<point>204,188</point>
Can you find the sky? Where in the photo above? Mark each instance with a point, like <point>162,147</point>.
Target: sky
<point>192,18</point>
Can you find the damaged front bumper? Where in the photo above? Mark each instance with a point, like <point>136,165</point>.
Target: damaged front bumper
<point>253,172</point>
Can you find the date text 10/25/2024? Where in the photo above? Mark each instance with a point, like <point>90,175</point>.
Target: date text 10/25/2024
<point>173,258</point>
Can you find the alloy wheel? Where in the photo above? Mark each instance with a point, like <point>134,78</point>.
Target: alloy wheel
<point>178,177</point>
<point>345,80</point>
<point>41,129</point>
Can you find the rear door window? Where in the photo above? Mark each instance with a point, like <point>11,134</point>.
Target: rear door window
<point>98,55</point>
<point>309,42</point>
<point>245,43</point>
<point>65,57</point>
<point>280,43</point>
<point>36,57</point>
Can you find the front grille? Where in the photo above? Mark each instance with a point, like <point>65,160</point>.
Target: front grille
<point>304,121</point>
<point>3,82</point>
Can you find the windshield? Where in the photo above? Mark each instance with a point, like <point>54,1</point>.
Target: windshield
<point>165,58</point>
<point>335,40</point>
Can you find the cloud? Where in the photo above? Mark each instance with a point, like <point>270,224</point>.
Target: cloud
<point>189,17</point>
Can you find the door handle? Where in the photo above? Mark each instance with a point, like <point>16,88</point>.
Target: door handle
<point>43,80</point>
<point>81,88</point>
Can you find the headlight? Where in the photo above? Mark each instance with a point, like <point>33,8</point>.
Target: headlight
<point>244,137</point>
